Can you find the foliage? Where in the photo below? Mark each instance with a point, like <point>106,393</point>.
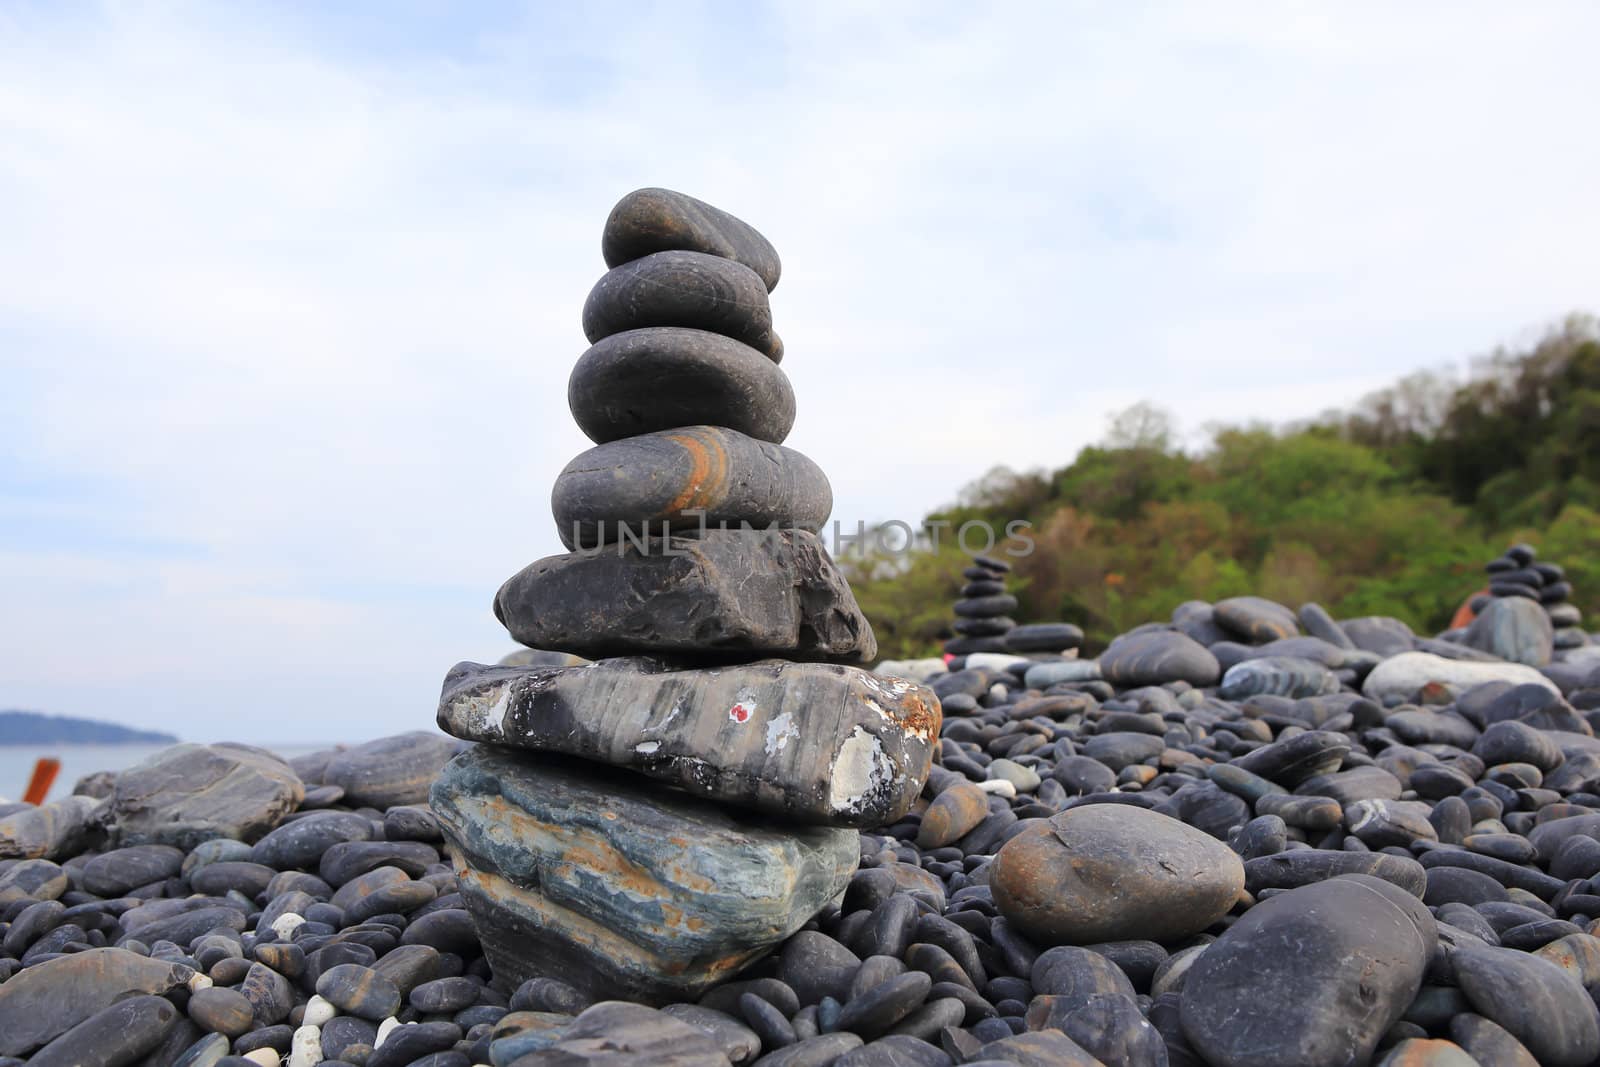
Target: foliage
<point>1390,509</point>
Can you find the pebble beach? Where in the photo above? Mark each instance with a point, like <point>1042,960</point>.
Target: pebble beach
<point>700,822</point>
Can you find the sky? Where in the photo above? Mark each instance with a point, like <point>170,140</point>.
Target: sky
<point>289,293</point>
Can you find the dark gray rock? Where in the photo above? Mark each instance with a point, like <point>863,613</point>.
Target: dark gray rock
<point>985,607</point>
<point>1489,1043</point>
<point>116,1035</point>
<point>617,885</point>
<point>444,995</point>
<point>659,378</point>
<point>414,963</point>
<point>1113,1029</point>
<point>351,859</point>
<point>954,813</point>
<point>1046,1048</point>
<point>1312,977</point>
<point>390,770</point>
<point>343,1031</point>
<point>1255,619</point>
<point>1536,1001</point>
<point>1318,623</point>
<point>897,1050</point>
<point>1514,629</point>
<point>269,993</point>
<point>1516,742</point>
<point>657,220</point>
<point>113,873</point>
<point>301,843</point>
<point>1157,657</point>
<point>187,794</point>
<point>411,823</point>
<point>1358,783</point>
<point>1066,978</point>
<point>216,879</point>
<point>1296,759</point>
<point>731,592</point>
<point>1305,866</point>
<point>1111,873</point>
<point>875,1011</point>
<point>359,991</point>
<point>737,1041</point>
<point>1044,637</point>
<point>1379,633</point>
<point>616,1033</point>
<point>1381,823</point>
<point>681,479</point>
<point>50,831</point>
<point>221,1010</point>
<point>33,922</point>
<point>814,742</point>
<point>31,879</point>
<point>684,289</point>
<point>48,999</point>
<point>409,1044</point>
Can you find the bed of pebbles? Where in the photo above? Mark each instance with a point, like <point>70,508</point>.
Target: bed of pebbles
<point>1123,869</point>
<point>1248,836</point>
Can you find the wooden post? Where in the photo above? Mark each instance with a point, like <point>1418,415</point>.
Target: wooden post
<point>44,776</point>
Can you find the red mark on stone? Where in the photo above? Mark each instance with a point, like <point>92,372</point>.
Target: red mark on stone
<point>739,713</point>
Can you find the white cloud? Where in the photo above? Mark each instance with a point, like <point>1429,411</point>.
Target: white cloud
<point>304,308</point>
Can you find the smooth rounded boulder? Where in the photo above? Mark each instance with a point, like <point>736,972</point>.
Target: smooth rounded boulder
<point>687,289</point>
<point>1256,619</point>
<point>1535,1000</point>
<point>391,770</point>
<point>1158,657</point>
<point>723,592</point>
<point>1109,872</point>
<point>659,220</point>
<point>1515,629</point>
<point>683,479</point>
<point>187,794</point>
<point>1312,977</point>
<point>659,378</point>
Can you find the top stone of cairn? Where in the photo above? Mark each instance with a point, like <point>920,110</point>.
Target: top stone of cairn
<point>647,221</point>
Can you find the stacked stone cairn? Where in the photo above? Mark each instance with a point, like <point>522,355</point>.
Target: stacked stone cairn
<point>1527,613</point>
<point>983,624</point>
<point>646,825</point>
<point>983,614</point>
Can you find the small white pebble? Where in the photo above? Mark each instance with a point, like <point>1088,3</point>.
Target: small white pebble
<point>265,1056</point>
<point>999,786</point>
<point>384,1029</point>
<point>199,982</point>
<point>319,1010</point>
<point>285,924</point>
<point>305,1050</point>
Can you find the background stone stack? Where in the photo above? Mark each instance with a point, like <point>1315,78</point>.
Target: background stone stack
<point>983,626</point>
<point>647,824</point>
<point>982,619</point>
<point>1526,615</point>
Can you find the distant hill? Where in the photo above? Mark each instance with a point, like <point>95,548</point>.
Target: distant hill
<point>33,728</point>
<point>1391,507</point>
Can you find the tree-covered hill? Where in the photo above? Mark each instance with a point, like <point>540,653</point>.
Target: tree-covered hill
<point>1390,509</point>
<point>33,728</point>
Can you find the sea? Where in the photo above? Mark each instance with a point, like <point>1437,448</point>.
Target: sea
<point>17,761</point>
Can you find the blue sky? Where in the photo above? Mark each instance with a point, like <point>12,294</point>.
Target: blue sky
<point>289,293</point>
